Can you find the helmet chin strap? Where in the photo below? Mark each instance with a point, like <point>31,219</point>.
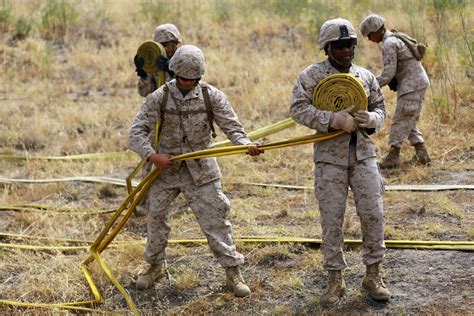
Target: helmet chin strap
<point>339,64</point>
<point>183,90</point>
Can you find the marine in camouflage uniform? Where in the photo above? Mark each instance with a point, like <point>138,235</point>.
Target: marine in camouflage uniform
<point>348,160</point>
<point>168,36</point>
<point>186,128</point>
<point>410,80</point>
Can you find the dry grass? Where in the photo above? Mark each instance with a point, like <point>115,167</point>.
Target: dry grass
<point>68,87</point>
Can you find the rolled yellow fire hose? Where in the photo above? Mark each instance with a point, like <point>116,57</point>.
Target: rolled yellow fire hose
<point>338,92</point>
<point>150,51</point>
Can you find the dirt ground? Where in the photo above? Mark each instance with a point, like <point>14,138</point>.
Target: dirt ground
<point>430,282</point>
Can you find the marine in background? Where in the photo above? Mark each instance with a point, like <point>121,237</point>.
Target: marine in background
<point>404,73</point>
<point>170,38</point>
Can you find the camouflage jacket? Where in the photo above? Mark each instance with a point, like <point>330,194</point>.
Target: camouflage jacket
<point>186,127</point>
<point>399,63</point>
<point>148,85</point>
<point>335,150</point>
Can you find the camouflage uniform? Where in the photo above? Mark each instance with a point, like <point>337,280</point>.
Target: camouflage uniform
<point>148,85</point>
<point>347,160</point>
<point>412,81</point>
<point>163,33</point>
<point>186,129</point>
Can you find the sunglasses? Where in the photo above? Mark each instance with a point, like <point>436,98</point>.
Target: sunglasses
<point>348,43</point>
<point>186,79</point>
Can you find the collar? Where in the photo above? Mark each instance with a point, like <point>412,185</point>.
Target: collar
<point>193,93</point>
<point>333,70</point>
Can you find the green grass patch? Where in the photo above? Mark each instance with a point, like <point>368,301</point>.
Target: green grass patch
<point>442,205</point>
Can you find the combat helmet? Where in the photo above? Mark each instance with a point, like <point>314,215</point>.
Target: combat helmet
<point>188,62</point>
<point>335,30</point>
<point>167,33</point>
<point>371,23</point>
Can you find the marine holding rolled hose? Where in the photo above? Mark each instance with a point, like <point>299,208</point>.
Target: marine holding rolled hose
<point>169,37</point>
<point>348,160</point>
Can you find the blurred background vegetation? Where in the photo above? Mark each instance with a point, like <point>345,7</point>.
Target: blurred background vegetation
<point>61,52</point>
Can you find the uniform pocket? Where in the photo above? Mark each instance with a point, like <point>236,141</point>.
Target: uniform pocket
<point>382,184</point>
<point>318,179</point>
<point>410,108</point>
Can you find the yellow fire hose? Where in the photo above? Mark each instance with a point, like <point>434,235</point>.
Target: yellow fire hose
<point>134,198</point>
<point>91,156</point>
<point>42,208</point>
<point>257,134</point>
<point>352,93</point>
<point>331,93</point>
<point>85,244</point>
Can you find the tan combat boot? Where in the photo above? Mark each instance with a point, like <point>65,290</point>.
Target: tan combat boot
<point>147,279</point>
<point>235,283</point>
<point>374,285</point>
<point>392,160</point>
<point>421,157</point>
<point>335,290</point>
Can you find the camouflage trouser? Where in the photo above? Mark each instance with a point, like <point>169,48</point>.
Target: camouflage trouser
<point>147,168</point>
<point>405,118</point>
<point>211,208</point>
<point>331,188</point>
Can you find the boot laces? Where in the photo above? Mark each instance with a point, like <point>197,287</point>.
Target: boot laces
<point>376,277</point>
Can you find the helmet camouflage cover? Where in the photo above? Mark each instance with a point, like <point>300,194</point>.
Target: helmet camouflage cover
<point>167,33</point>
<point>335,30</point>
<point>371,23</point>
<point>188,62</point>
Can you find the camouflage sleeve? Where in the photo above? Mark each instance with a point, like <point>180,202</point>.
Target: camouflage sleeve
<point>226,118</point>
<point>143,124</point>
<point>146,86</point>
<point>389,57</point>
<point>301,107</point>
<point>376,102</point>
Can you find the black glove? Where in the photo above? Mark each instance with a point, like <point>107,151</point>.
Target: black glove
<point>139,62</point>
<point>163,63</point>
<point>393,84</point>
